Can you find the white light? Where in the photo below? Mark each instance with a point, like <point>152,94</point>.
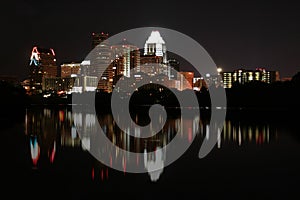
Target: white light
<point>86,62</point>
<point>155,38</point>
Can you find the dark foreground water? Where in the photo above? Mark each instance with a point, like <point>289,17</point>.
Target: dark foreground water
<point>43,157</point>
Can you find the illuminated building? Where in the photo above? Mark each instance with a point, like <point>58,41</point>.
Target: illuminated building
<point>42,65</point>
<point>154,59</point>
<point>58,84</point>
<point>155,45</point>
<point>243,76</point>
<point>100,61</point>
<point>175,65</point>
<point>188,84</point>
<point>198,83</point>
<point>126,56</point>
<point>69,69</point>
<point>268,76</point>
<point>227,79</point>
<point>151,65</point>
<point>84,81</point>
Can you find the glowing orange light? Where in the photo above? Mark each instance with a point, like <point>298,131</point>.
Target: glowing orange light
<point>61,115</point>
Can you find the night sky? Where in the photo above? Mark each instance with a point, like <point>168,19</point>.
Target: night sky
<point>249,34</point>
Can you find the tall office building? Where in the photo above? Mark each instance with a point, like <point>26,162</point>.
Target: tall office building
<point>155,45</point>
<point>100,61</point>
<point>126,56</point>
<point>42,65</point>
<point>154,59</point>
<point>175,66</point>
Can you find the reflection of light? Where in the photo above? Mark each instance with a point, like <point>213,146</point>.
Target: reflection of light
<point>34,150</point>
<point>124,164</point>
<point>137,132</point>
<point>154,163</point>
<point>26,123</point>
<point>219,138</point>
<point>102,175</point>
<point>90,120</point>
<point>85,143</point>
<point>93,173</point>
<point>240,136</point>
<point>250,134</point>
<point>268,133</point>
<point>110,160</point>
<point>78,119</point>
<point>61,115</point>
<point>53,152</point>
<point>207,131</point>
<point>73,132</point>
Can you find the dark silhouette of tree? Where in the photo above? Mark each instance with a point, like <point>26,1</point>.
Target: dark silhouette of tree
<point>296,80</point>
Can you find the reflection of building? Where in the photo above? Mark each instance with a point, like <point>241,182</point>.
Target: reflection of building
<point>42,65</point>
<point>154,163</point>
<point>49,129</point>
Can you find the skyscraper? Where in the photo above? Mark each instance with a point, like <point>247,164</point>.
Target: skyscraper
<point>155,45</point>
<point>126,56</point>
<point>175,65</point>
<point>101,59</point>
<point>42,65</point>
<point>154,59</point>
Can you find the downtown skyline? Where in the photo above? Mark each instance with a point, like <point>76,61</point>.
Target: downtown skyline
<point>235,34</point>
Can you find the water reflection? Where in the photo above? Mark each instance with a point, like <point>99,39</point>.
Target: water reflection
<point>154,160</point>
<point>51,131</point>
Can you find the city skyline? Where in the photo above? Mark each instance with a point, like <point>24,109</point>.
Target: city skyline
<point>252,34</point>
<point>109,62</point>
<point>183,64</point>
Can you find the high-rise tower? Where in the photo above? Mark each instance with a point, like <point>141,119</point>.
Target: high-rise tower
<point>100,61</point>
<point>42,65</point>
<point>154,59</point>
<point>155,45</point>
